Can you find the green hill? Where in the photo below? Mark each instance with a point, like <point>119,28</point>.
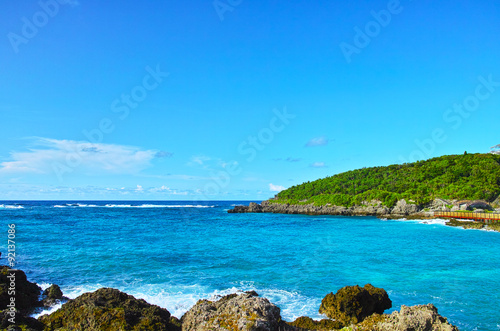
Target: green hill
<point>461,177</point>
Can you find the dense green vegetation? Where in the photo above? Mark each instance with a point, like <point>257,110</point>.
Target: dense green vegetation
<point>462,177</point>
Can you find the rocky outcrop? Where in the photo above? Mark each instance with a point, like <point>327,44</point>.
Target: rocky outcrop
<point>52,296</point>
<point>496,203</point>
<point>246,311</point>
<point>401,209</point>
<point>251,208</point>
<point>53,292</point>
<point>109,309</point>
<point>416,318</point>
<point>404,208</point>
<point>479,204</point>
<point>26,293</point>
<point>352,304</point>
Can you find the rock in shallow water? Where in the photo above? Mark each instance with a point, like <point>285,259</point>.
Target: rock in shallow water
<point>233,312</point>
<point>53,292</point>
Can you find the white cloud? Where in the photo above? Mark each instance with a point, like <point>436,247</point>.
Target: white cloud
<point>318,165</point>
<point>276,188</point>
<point>163,154</point>
<point>69,156</point>
<point>318,141</point>
<point>200,159</point>
<point>139,189</point>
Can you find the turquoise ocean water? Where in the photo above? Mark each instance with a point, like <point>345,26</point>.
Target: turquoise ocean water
<point>174,253</point>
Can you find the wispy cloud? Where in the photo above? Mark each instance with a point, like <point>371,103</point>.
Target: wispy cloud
<point>318,165</point>
<point>167,190</point>
<point>276,188</point>
<point>288,159</point>
<point>90,191</point>
<point>318,141</point>
<point>199,160</point>
<point>78,155</point>
<point>163,154</point>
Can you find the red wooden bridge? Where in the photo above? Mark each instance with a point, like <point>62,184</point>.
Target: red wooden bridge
<point>485,217</point>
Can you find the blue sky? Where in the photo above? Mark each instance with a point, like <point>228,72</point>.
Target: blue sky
<point>229,99</point>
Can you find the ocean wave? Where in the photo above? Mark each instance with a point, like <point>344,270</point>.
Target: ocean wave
<point>128,206</point>
<point>436,221</point>
<point>69,205</point>
<point>157,206</point>
<point>47,311</point>
<point>11,207</point>
<point>179,299</point>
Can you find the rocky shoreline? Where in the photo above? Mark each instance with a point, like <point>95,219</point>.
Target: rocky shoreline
<point>350,308</point>
<point>402,209</point>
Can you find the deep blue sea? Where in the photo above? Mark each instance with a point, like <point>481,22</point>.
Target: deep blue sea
<point>174,253</point>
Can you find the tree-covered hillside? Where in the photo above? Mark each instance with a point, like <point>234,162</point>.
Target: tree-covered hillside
<point>462,177</point>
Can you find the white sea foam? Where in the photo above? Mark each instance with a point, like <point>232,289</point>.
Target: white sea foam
<point>47,311</point>
<point>179,299</point>
<point>436,221</point>
<point>157,206</point>
<point>81,205</point>
<point>11,207</point>
<point>44,286</point>
<point>433,221</point>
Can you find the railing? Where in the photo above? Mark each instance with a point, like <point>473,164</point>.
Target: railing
<point>469,216</point>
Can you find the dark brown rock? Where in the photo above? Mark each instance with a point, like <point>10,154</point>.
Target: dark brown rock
<point>53,292</point>
<point>21,322</point>
<point>26,293</point>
